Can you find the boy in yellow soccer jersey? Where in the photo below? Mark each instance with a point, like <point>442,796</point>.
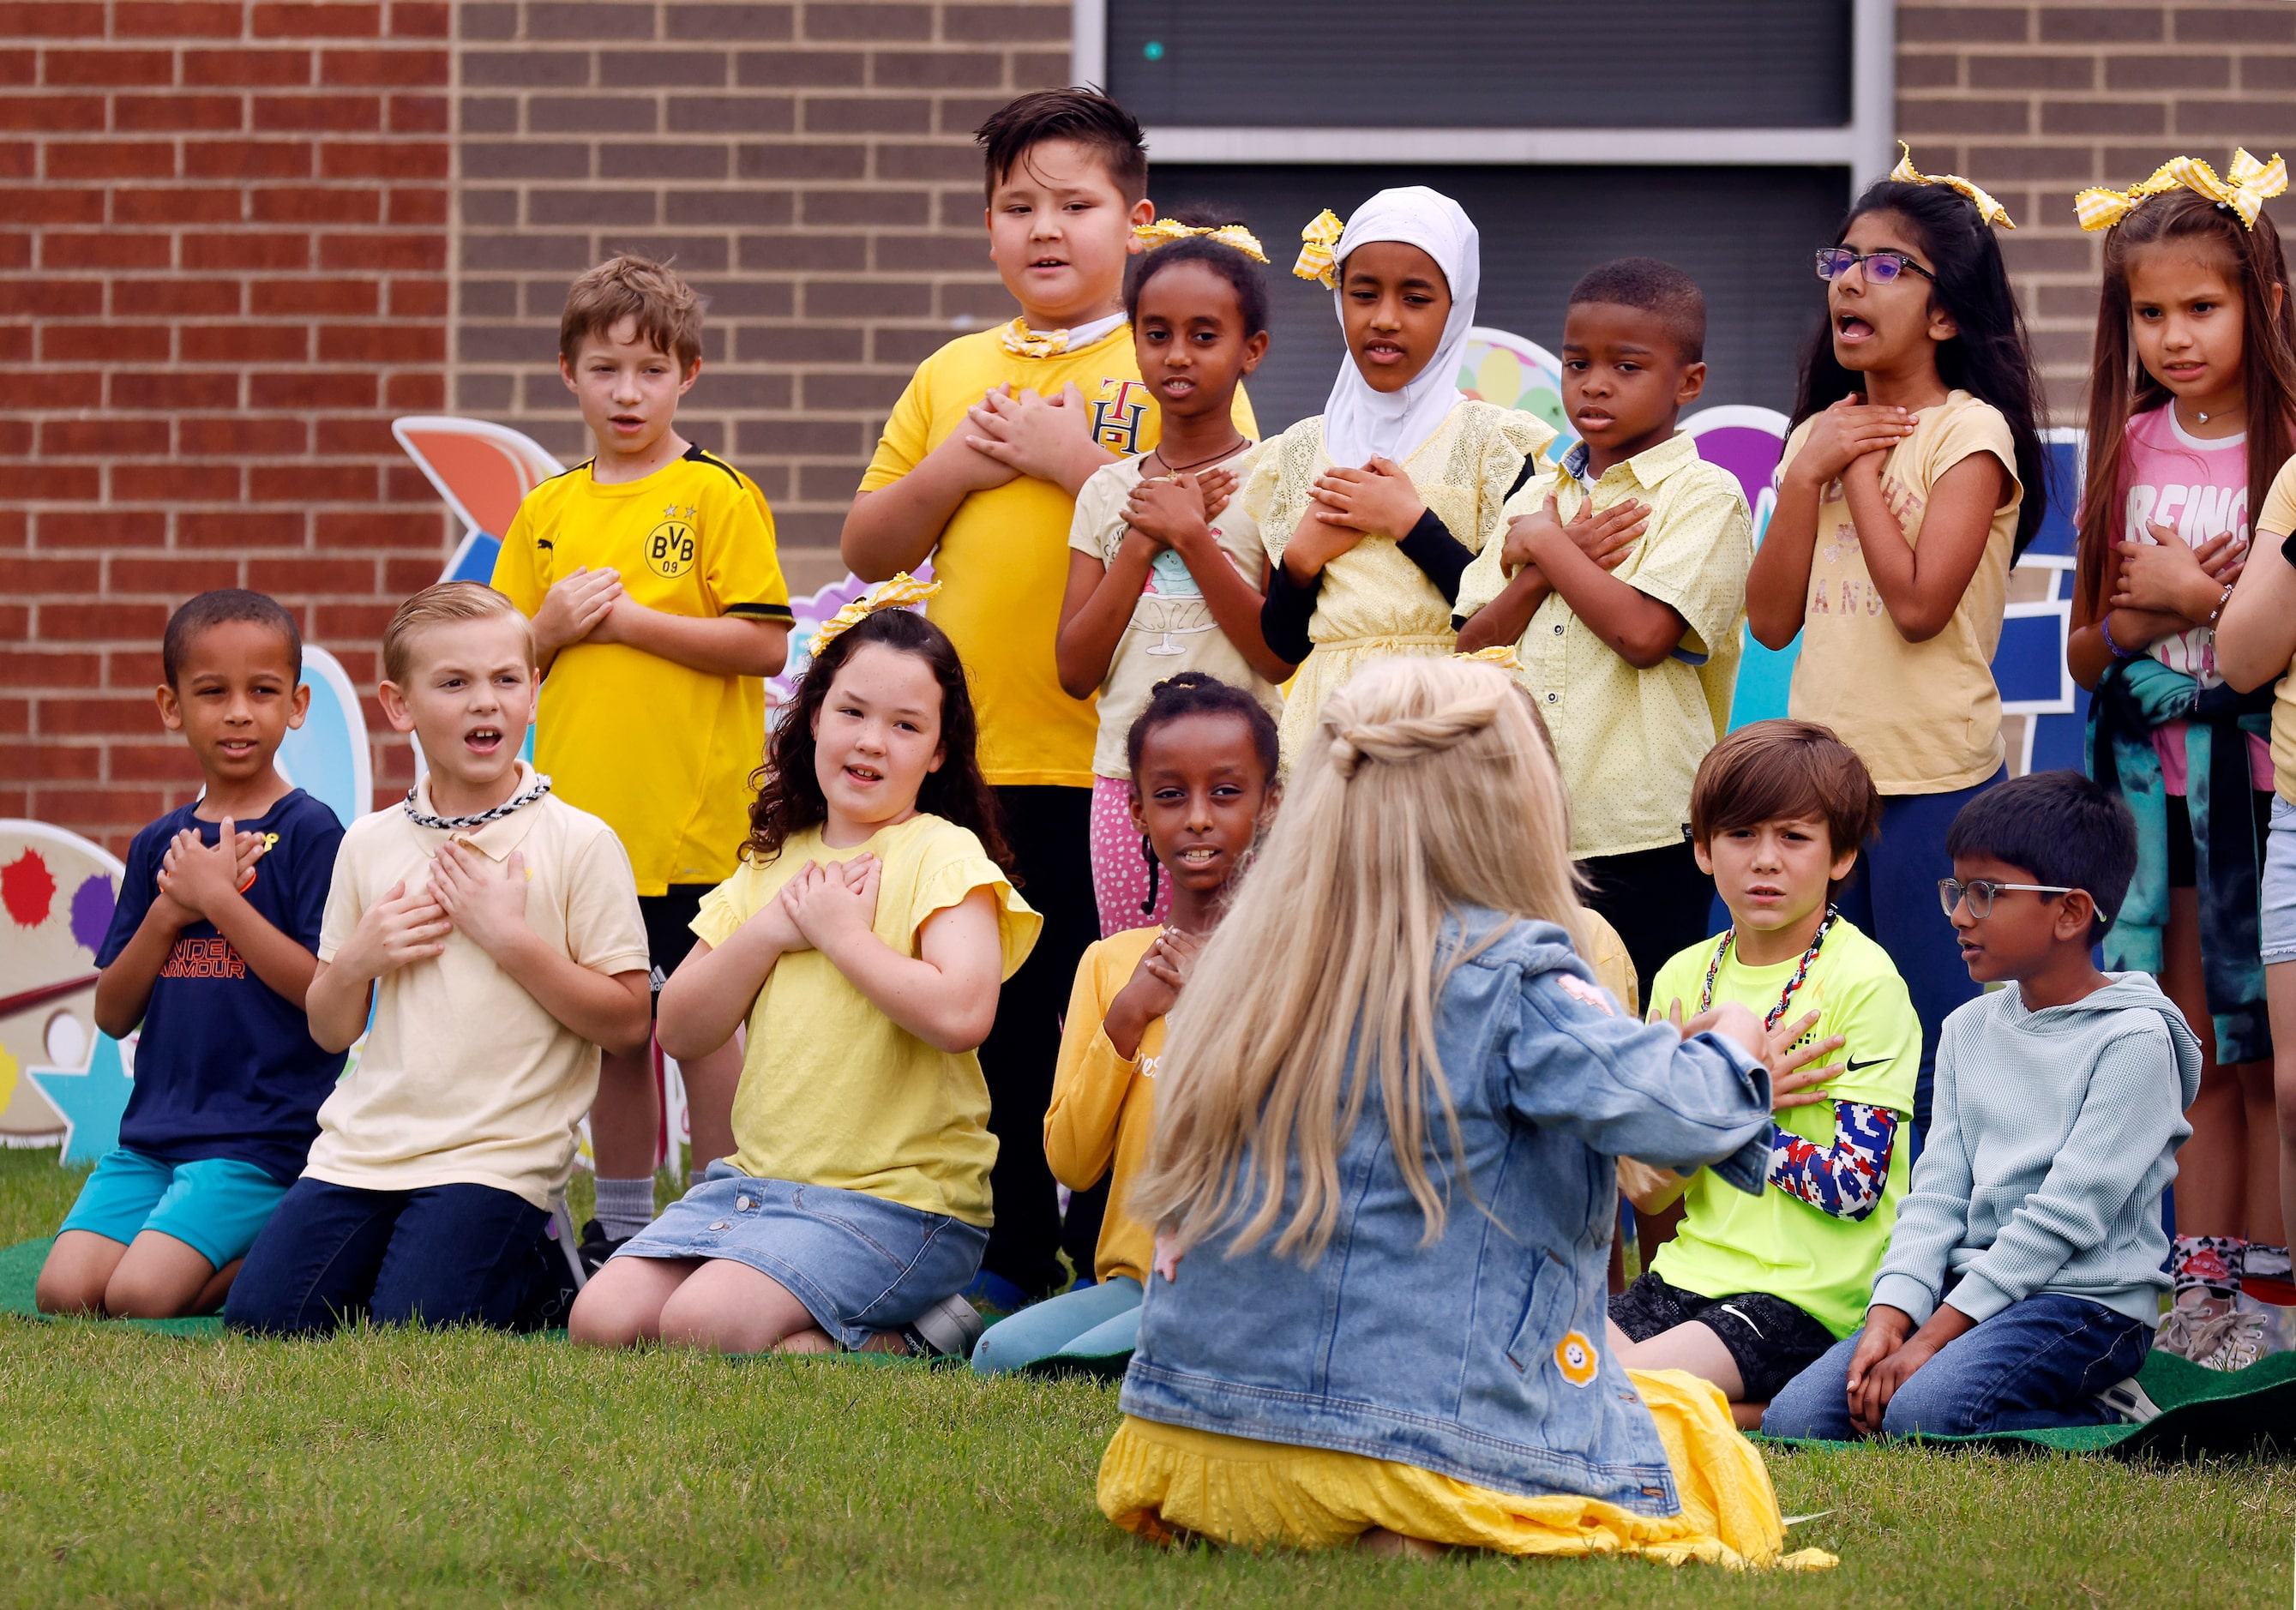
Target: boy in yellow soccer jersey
<point>658,607</point>
<point>978,471</point>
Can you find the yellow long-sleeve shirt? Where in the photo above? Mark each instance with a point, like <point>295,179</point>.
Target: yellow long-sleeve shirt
<point>1103,1108</point>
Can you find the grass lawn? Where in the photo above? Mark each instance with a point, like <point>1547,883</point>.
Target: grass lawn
<point>385,1468</point>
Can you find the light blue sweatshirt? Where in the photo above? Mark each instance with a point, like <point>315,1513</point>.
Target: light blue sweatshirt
<point>2051,1136</point>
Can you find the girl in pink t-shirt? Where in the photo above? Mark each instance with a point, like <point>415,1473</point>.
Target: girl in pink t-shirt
<point>2190,416</point>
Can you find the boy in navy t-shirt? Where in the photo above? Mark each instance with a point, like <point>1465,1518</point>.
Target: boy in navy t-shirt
<point>211,949</point>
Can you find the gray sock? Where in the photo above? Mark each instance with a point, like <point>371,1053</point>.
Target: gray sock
<point>625,1206</point>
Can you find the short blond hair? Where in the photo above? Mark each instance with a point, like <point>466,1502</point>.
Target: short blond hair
<point>667,310</point>
<point>442,605</point>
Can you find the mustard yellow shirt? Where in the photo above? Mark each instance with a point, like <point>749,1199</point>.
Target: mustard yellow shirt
<point>1003,560</point>
<point>832,1091</point>
<point>2278,517</point>
<point>660,750</point>
<point>1629,742</point>
<point>1104,1111</point>
<point>1924,716</point>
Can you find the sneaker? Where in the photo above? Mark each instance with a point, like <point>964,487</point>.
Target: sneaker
<point>948,1329</point>
<point>2129,1403</point>
<point>597,1248</point>
<point>2279,1333</point>
<point>2213,1337</point>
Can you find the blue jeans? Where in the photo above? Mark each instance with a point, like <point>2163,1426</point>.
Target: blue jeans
<point>1095,1325</point>
<point>447,1254</point>
<point>1892,895</point>
<point>2035,1366</point>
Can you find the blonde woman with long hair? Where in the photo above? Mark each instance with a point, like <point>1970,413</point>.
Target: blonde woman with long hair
<point>1382,1178</point>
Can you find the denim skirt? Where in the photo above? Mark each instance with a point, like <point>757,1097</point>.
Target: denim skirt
<point>2279,929</point>
<point>859,1263</point>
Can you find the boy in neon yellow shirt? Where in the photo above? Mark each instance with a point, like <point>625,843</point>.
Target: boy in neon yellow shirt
<point>658,607</point>
<point>978,470</point>
<point>1753,1289</point>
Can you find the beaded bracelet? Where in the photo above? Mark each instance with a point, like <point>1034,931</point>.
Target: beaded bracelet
<point>2216,613</point>
<point>2105,625</point>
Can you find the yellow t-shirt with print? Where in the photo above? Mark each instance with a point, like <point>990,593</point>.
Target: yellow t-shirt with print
<point>662,751</point>
<point>2278,519</point>
<point>832,1091</point>
<point>1924,716</point>
<point>1003,561</point>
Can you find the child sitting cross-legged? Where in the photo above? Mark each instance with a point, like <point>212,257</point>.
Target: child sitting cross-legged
<point>494,932</point>
<point>1751,1290</point>
<point>863,939</point>
<point>2027,1264</point>
<point>1203,786</point>
<point>1386,1126</point>
<point>210,950</point>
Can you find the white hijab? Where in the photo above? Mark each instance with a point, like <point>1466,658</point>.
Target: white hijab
<point>1359,422</point>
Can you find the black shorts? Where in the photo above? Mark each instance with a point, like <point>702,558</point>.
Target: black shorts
<point>670,927</point>
<point>1770,1339</point>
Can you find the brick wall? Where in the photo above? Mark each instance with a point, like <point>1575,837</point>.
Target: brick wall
<point>222,271</point>
<point>810,167</point>
<point>2037,102</point>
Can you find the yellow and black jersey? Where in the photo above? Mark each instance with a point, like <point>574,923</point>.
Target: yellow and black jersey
<point>660,750</point>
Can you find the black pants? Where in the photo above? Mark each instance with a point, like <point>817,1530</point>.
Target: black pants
<point>1659,903</point>
<point>1050,830</point>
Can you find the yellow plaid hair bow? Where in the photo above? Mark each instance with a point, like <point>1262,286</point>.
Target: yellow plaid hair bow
<point>2247,184</point>
<point>1163,232</point>
<point>1315,260</point>
<point>1500,654</point>
<point>899,593</point>
<point>1988,210</point>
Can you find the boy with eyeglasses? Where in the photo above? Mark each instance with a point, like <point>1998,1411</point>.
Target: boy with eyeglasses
<point>2032,1240</point>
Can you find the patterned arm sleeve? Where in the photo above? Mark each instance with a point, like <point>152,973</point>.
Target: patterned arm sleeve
<point>1846,1178</point>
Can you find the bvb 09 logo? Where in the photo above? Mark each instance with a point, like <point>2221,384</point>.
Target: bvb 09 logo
<point>670,547</point>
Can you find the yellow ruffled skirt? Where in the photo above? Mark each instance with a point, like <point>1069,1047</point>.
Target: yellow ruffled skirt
<point>1166,1481</point>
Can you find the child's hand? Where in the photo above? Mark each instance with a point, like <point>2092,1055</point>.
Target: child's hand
<point>490,906</point>
<point>1791,1075</point>
<point>1167,510</point>
<point>2168,576</point>
<point>1218,486</point>
<point>1316,545</point>
<point>966,467</point>
<point>1730,1022</point>
<point>1846,433</point>
<point>198,878</point>
<point>776,924</point>
<point>573,608</point>
<point>827,908</point>
<point>1605,537</point>
<point>397,929</point>
<point>1875,1368</point>
<point>1378,499</point>
<point>1168,1256</point>
<point>1043,438</point>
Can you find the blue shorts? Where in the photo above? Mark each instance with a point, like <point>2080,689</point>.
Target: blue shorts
<point>859,1263</point>
<point>2279,929</point>
<point>216,1206</point>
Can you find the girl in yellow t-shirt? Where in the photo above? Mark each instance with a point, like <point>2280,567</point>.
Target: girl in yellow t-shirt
<point>863,939</point>
<point>1903,499</point>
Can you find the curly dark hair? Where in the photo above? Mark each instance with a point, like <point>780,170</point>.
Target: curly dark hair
<point>789,791</point>
<point>1197,692</point>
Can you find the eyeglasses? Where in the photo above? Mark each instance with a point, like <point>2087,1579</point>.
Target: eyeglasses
<point>1980,892</point>
<point>1881,267</point>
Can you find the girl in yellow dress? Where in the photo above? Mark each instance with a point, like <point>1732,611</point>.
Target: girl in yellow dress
<point>1386,1124</point>
<point>1372,511</point>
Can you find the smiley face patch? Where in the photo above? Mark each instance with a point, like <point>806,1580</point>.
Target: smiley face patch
<point>1574,1356</point>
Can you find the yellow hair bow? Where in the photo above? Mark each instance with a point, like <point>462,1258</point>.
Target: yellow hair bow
<point>1988,210</point>
<point>1501,654</point>
<point>2247,184</point>
<point>1317,261</point>
<point>1163,232</point>
<point>899,593</point>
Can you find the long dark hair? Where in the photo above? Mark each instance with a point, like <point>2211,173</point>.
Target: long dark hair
<point>789,793</point>
<point>2120,387</point>
<point>1991,359</point>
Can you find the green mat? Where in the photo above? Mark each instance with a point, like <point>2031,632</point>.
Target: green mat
<point>19,1274</point>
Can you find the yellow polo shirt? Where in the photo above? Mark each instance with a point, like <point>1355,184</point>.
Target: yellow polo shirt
<point>2278,518</point>
<point>1629,742</point>
<point>662,751</point>
<point>1003,562</point>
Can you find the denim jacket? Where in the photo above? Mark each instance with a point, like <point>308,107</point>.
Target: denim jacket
<point>1479,1355</point>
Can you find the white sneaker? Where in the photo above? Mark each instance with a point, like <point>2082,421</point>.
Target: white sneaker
<point>2279,1333</point>
<point>2223,1338</point>
<point>950,1328</point>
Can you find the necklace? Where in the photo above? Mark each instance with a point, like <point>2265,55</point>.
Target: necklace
<point>1802,972</point>
<point>424,818</point>
<point>1229,451</point>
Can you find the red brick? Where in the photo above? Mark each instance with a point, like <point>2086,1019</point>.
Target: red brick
<point>100,621</point>
<point>188,19</point>
<point>19,66</point>
<point>111,160</point>
<point>423,252</point>
<point>151,299</point>
<point>381,344</point>
<point>201,113</point>
<point>383,68</point>
<point>332,389</point>
<point>150,763</point>
<point>418,114</point>
<point>241,529</point>
<point>102,438</point>
<point>380,159</point>
<point>328,19</point>
<point>247,68</point>
<point>423,392</point>
<point>54,114</point>
<point>418,298</point>
<point>47,204</point>
<point>170,575</point>
<point>173,391</point>
<point>400,576</point>
<point>421,19</point>
<point>174,483</point>
<point>133,668</point>
<point>104,344</point>
<point>68,389</point>
<point>244,343</point>
<point>358,438</point>
<point>15,342</point>
<point>238,438</point>
<point>91,529</point>
<point>311,483</point>
<point>83,809</point>
<point>176,206</point>
<point>79,65</point>
<point>24,576</point>
<point>30,667</point>
<point>52,20</point>
<point>107,251</point>
<point>416,207</point>
<point>317,204</point>
<point>19,158</point>
<point>58,762</point>
<point>15,627</point>
<point>245,158</point>
<point>15,439</point>
<point>311,575</point>
<point>381,531</point>
<point>340,114</point>
<point>288,297</point>
<point>247,250</point>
